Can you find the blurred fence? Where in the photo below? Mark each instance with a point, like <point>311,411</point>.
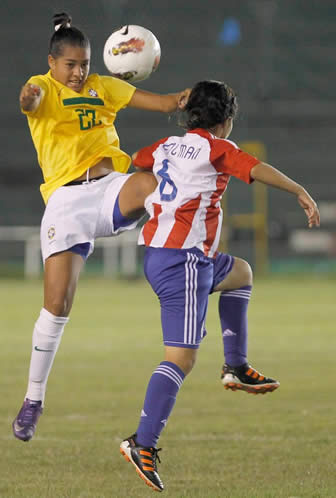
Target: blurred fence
<point>269,246</point>
<point>119,255</point>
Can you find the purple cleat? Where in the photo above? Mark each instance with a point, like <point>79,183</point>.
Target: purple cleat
<point>24,424</point>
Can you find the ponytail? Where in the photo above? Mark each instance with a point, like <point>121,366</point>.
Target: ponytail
<point>65,34</point>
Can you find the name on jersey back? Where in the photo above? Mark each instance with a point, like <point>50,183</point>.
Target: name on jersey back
<point>181,150</point>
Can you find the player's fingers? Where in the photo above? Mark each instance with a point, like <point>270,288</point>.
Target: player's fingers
<point>31,90</point>
<point>313,216</point>
<point>35,89</point>
<point>316,218</point>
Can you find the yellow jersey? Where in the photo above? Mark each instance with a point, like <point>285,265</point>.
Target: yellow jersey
<point>73,131</point>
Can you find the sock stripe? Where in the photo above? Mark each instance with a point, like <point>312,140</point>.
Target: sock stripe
<point>239,296</point>
<point>240,291</point>
<point>237,293</point>
<point>169,372</point>
<point>176,371</point>
<point>169,377</point>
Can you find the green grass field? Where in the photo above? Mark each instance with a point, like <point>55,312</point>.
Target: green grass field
<point>217,443</point>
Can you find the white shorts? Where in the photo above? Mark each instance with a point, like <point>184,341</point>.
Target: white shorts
<point>81,213</point>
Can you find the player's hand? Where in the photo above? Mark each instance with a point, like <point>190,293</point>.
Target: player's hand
<point>183,98</point>
<point>310,208</point>
<point>30,97</point>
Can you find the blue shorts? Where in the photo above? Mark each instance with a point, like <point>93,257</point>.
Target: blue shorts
<point>183,279</point>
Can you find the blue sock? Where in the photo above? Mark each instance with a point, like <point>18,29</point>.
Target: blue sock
<point>232,308</point>
<point>162,390</point>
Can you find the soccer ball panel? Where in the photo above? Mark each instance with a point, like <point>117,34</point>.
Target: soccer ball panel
<point>132,53</point>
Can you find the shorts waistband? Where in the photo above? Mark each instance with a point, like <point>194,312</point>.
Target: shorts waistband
<point>83,182</point>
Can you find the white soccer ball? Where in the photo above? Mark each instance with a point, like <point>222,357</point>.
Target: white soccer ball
<point>132,53</point>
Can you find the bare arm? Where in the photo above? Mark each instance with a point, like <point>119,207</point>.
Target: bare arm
<point>155,102</point>
<point>30,97</point>
<point>265,173</point>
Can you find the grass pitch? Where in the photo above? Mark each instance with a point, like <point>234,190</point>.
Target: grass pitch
<point>217,443</point>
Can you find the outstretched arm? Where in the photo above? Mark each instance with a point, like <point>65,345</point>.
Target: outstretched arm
<point>30,97</point>
<point>156,102</point>
<point>265,173</point>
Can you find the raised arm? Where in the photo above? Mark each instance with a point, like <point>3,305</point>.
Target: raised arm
<point>156,102</point>
<point>30,97</point>
<point>265,173</point>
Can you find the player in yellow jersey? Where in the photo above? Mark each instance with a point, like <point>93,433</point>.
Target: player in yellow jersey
<point>86,189</point>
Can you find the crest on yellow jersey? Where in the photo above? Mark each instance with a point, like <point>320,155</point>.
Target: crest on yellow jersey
<point>93,93</point>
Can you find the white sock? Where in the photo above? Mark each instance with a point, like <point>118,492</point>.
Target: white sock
<point>47,336</point>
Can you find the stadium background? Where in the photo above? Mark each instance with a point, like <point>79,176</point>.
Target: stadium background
<point>277,55</point>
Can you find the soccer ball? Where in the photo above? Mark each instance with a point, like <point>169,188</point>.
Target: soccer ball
<point>132,53</point>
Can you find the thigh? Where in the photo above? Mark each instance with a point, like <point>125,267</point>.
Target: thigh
<point>231,273</point>
<point>134,192</point>
<point>114,216</point>
<point>182,280</point>
<point>223,265</point>
<point>61,275</point>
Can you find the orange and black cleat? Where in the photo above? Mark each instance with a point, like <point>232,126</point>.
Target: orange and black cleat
<point>246,378</point>
<point>144,461</point>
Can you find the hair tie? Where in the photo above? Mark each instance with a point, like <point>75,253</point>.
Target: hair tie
<point>61,25</point>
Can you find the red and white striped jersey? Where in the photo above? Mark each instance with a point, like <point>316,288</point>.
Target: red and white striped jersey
<point>192,173</point>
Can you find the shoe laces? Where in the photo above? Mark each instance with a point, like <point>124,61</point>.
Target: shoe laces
<point>156,451</point>
<point>29,413</point>
<point>155,456</point>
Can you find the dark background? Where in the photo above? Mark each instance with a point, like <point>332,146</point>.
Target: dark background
<point>280,59</point>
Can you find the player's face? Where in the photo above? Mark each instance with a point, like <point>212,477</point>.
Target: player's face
<point>72,67</point>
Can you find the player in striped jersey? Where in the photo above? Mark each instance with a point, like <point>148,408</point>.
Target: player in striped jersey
<point>181,260</point>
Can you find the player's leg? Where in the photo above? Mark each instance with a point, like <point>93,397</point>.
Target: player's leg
<point>60,279</point>
<point>233,279</point>
<point>182,282</point>
<point>122,205</point>
<point>134,192</point>
<point>162,389</point>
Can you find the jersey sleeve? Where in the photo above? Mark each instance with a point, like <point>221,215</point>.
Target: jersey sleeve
<point>118,92</point>
<point>39,81</point>
<point>226,157</point>
<point>145,158</point>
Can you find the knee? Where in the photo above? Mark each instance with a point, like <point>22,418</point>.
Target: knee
<point>245,272</point>
<point>58,307</point>
<point>240,276</point>
<point>184,358</point>
<point>187,365</point>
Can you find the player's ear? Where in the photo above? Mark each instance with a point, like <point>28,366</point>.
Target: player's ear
<point>51,62</point>
<point>228,125</point>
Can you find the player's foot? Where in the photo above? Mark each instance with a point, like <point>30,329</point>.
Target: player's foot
<point>144,461</point>
<point>246,378</point>
<point>24,425</point>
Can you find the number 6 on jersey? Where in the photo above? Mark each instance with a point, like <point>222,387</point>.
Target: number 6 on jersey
<point>163,172</point>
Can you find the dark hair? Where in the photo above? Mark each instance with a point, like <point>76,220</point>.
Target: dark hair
<point>210,103</point>
<point>65,34</point>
